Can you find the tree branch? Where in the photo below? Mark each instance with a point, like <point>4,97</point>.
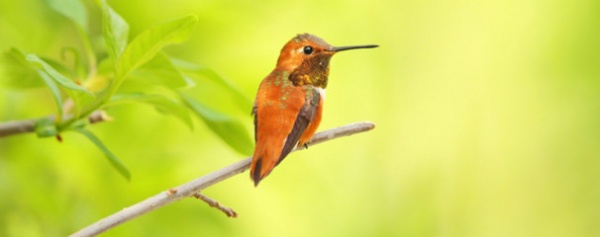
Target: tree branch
<point>25,126</point>
<point>196,185</point>
<point>214,203</point>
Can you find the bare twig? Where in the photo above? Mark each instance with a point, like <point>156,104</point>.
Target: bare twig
<point>196,185</point>
<point>214,203</point>
<point>24,126</point>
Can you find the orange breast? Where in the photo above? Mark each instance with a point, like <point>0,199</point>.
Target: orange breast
<point>277,104</point>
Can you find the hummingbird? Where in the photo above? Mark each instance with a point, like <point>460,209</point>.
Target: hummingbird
<point>289,103</point>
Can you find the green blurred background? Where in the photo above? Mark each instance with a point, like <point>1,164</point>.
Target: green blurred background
<point>487,117</point>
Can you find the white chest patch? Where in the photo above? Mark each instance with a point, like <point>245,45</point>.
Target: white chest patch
<point>321,92</point>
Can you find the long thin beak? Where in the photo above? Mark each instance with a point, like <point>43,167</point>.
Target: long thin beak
<point>338,49</point>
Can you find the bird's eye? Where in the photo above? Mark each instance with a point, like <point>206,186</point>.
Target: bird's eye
<point>307,50</point>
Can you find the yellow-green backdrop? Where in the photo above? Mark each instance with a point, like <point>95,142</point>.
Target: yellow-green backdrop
<point>487,114</point>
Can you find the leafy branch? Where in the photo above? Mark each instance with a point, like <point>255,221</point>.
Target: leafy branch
<point>123,72</point>
<point>127,72</point>
<point>28,126</point>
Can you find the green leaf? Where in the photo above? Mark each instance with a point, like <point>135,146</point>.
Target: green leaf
<point>205,72</point>
<point>58,66</point>
<point>148,43</point>
<point>76,11</point>
<point>45,128</point>
<point>160,102</point>
<point>78,94</point>
<point>79,100</point>
<point>114,161</point>
<point>230,130</point>
<point>160,71</point>
<point>116,32</point>
<point>105,67</point>
<point>65,54</point>
<point>54,91</point>
<point>55,75</point>
<point>17,73</point>
<point>72,9</point>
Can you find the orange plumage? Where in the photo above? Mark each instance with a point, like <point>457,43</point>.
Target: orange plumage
<point>289,103</point>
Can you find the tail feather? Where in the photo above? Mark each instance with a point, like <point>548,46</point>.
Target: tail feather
<point>263,163</point>
<point>256,170</point>
<point>266,156</point>
<point>260,168</point>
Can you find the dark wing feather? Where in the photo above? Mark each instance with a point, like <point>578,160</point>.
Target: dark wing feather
<point>305,116</point>
<point>254,113</point>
